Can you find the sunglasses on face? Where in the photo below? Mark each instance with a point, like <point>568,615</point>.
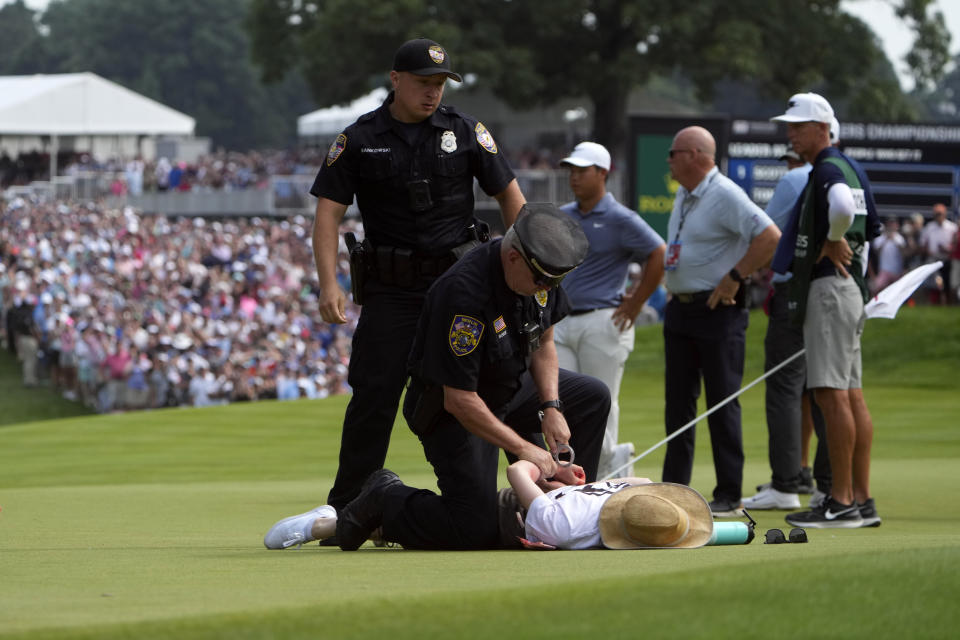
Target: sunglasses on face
<point>541,277</point>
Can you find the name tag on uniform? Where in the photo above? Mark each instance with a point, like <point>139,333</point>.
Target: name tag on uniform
<point>673,256</point>
<point>859,202</point>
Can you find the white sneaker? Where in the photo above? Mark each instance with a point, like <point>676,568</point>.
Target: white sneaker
<point>770,498</point>
<point>295,530</point>
<point>817,499</point>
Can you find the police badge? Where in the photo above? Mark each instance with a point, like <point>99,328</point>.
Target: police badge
<point>541,297</point>
<point>448,141</point>
<point>465,334</point>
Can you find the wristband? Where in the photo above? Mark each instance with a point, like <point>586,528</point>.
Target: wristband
<point>736,275</point>
<point>550,404</point>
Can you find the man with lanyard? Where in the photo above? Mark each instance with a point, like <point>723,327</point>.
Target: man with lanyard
<point>597,337</point>
<point>411,165</point>
<point>826,239</point>
<point>718,236</point>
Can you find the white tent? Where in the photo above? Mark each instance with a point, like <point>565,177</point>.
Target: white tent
<point>80,105</point>
<point>333,120</point>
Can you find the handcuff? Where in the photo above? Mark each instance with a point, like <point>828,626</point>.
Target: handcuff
<point>561,449</point>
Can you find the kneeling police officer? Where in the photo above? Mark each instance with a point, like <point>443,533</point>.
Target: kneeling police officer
<point>484,377</point>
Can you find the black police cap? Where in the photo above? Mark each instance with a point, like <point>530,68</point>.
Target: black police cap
<point>423,57</point>
<point>550,238</point>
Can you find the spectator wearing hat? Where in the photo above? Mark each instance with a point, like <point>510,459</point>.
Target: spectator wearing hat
<point>410,165</point>
<point>824,247</point>
<point>596,338</point>
<point>785,388</point>
<point>717,237</point>
<point>484,377</point>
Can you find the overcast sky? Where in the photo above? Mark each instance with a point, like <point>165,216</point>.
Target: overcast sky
<point>876,13</point>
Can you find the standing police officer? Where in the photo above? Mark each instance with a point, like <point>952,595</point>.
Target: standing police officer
<point>411,165</point>
<point>484,377</point>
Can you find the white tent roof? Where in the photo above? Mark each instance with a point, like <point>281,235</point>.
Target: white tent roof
<point>333,120</point>
<point>82,104</point>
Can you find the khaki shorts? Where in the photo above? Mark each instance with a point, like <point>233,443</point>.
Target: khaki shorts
<point>831,333</point>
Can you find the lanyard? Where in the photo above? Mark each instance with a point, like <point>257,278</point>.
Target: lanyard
<point>684,209</point>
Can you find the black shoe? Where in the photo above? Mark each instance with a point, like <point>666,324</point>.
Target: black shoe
<point>806,481</point>
<point>868,511</point>
<point>359,518</point>
<point>830,515</point>
<point>722,508</point>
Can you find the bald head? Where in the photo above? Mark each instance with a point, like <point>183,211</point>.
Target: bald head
<point>692,156</point>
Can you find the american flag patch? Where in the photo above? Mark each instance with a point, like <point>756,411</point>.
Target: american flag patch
<point>499,325</point>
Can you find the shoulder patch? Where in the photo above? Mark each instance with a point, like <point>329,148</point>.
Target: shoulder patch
<point>541,297</point>
<point>484,138</point>
<point>336,149</point>
<point>465,333</point>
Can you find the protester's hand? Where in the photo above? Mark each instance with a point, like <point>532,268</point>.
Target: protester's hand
<point>839,253</point>
<point>572,475</point>
<point>555,429</point>
<point>332,304</point>
<point>725,293</point>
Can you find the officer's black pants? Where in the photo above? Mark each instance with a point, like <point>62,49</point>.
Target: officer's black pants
<point>464,515</point>
<point>378,372</point>
<point>700,342</point>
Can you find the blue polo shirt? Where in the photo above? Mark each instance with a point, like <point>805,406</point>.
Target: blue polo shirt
<point>617,236</point>
<point>784,199</point>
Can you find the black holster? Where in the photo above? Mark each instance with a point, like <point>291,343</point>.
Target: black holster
<point>359,264</point>
<point>422,406</point>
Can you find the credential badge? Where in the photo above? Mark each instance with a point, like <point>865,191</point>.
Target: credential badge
<point>448,141</point>
<point>465,333</point>
<point>541,298</point>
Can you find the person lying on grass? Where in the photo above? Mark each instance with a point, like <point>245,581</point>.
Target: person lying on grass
<point>321,522</point>
<point>623,513</point>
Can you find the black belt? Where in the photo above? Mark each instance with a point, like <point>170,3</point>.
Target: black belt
<point>688,298</point>
<point>580,312</point>
<point>823,271</point>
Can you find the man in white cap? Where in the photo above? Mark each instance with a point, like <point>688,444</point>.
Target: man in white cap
<point>597,336</point>
<point>823,247</point>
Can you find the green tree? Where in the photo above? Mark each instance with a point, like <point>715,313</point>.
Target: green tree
<point>18,38</point>
<point>531,53</point>
<point>191,56</point>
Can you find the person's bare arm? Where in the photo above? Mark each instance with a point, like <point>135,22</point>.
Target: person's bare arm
<point>326,244</point>
<point>545,368</point>
<point>472,412</point>
<point>626,314</point>
<point>523,476</point>
<point>510,201</point>
<point>758,254</point>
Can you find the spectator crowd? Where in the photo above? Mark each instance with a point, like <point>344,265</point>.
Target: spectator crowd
<point>127,311</point>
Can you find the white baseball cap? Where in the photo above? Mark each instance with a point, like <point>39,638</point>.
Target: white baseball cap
<point>834,131</point>
<point>807,107</point>
<point>587,154</point>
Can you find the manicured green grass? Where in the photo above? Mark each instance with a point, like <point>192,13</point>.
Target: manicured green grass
<point>149,525</point>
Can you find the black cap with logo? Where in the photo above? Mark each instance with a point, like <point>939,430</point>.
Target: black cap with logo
<point>423,57</point>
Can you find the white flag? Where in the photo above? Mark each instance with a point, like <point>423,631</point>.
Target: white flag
<point>886,303</point>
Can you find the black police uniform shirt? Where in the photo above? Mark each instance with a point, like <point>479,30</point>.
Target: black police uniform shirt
<point>470,334</point>
<point>373,160</point>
